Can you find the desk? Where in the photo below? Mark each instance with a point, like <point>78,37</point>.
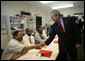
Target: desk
<point>32,54</point>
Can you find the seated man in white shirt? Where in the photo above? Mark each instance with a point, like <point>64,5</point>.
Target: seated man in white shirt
<point>40,35</point>
<point>16,47</point>
<point>28,38</point>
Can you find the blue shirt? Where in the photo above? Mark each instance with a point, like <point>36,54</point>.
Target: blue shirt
<point>61,20</point>
<point>50,31</point>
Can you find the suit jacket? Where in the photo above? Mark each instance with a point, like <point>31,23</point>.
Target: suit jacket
<point>72,33</point>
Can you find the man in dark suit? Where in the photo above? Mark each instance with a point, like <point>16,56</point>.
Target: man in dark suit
<point>68,33</point>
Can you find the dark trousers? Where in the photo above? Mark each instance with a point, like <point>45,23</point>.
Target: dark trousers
<point>61,57</point>
<point>72,52</point>
<point>63,54</point>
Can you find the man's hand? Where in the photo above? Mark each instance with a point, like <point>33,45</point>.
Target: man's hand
<point>77,45</point>
<point>41,44</point>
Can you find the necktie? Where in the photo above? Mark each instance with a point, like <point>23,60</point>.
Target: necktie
<point>61,28</point>
<point>30,40</point>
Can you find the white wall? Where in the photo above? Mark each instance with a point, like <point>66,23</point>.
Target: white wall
<point>4,40</point>
<point>71,11</point>
<point>11,8</point>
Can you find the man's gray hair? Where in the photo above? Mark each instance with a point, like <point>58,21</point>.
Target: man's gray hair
<point>56,12</point>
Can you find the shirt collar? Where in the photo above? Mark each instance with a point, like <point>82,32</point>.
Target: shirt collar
<point>61,20</point>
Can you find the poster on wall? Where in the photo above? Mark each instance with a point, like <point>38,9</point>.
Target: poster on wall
<point>3,25</point>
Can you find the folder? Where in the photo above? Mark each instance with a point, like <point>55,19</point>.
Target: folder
<point>45,53</point>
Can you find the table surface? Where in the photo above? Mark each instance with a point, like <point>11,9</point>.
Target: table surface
<point>33,53</point>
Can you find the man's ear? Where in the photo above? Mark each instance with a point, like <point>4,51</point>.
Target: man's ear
<point>15,37</point>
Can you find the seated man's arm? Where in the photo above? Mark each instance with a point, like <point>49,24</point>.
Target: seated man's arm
<point>32,47</point>
<point>25,50</point>
<point>19,54</point>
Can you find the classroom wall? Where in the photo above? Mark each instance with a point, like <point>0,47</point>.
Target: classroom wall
<point>4,41</point>
<point>11,8</point>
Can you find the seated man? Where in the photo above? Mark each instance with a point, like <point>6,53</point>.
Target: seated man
<point>28,38</point>
<point>46,30</point>
<point>40,35</point>
<point>16,47</point>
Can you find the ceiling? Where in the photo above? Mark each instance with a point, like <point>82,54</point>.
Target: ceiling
<point>48,6</point>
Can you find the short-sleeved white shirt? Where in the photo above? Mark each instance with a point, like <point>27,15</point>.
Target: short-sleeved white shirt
<point>14,46</point>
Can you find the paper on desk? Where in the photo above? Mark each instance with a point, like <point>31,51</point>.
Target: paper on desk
<point>55,41</point>
<point>45,53</point>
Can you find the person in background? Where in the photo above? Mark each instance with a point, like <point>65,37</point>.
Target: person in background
<point>40,35</point>
<point>33,32</point>
<point>68,33</point>
<point>79,23</point>
<point>28,38</point>
<point>83,22</point>
<point>83,30</point>
<point>47,30</point>
<point>16,47</point>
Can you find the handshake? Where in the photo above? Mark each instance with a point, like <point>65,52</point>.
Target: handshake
<point>35,46</point>
<point>40,44</point>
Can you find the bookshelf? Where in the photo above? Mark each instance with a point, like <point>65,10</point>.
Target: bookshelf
<point>17,23</point>
<point>21,23</point>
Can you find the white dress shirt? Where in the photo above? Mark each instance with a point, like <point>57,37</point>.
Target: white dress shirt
<point>40,37</point>
<point>27,39</point>
<point>14,46</point>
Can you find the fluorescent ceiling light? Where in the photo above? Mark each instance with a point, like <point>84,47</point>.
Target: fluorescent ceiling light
<point>62,6</point>
<point>44,2</point>
<point>76,15</point>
